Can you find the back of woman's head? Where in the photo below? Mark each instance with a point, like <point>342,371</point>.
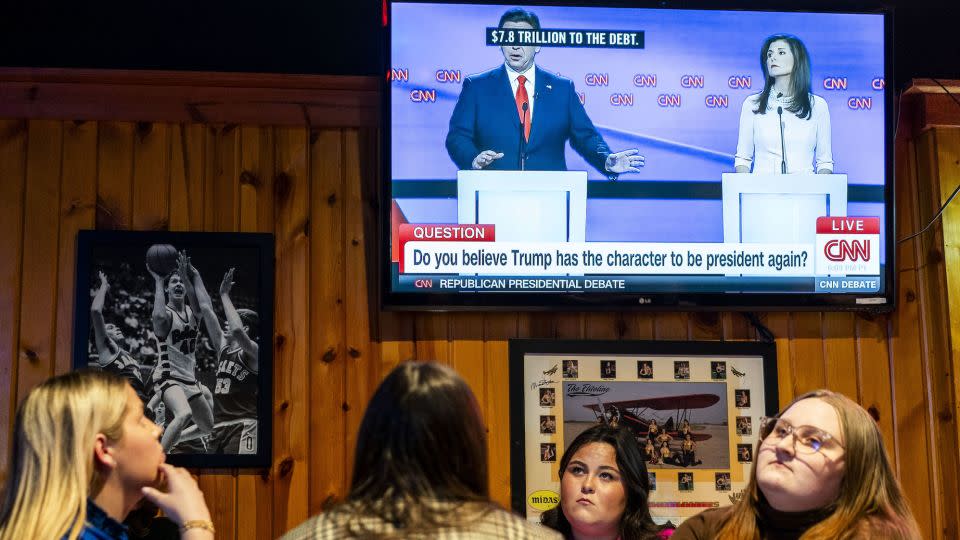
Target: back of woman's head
<point>869,496</point>
<point>636,522</point>
<point>421,440</point>
<point>52,468</point>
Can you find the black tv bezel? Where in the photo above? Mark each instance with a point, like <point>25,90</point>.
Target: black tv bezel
<point>683,301</point>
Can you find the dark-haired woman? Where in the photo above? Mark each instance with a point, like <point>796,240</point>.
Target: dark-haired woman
<point>821,472</point>
<point>420,469</point>
<point>604,489</point>
<point>786,99</point>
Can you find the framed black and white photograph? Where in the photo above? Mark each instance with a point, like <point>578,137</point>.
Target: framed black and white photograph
<point>687,421</point>
<point>187,319</point>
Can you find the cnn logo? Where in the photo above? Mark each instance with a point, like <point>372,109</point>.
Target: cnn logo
<point>847,250</point>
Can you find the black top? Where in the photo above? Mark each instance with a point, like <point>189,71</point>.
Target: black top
<point>773,524</point>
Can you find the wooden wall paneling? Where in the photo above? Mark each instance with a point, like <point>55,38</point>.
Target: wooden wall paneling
<point>497,329</point>
<point>568,325</point>
<point>706,325</point>
<point>255,488</point>
<point>363,362</point>
<point>329,477</point>
<point>291,425</point>
<point>672,326</point>
<point>737,327</point>
<point>226,185</point>
<point>78,199</point>
<point>466,354</point>
<point>779,325</point>
<point>432,334</point>
<point>539,325</point>
<point>219,485</point>
<point>807,350</point>
<point>115,175</point>
<point>638,325</point>
<point>13,157</point>
<point>602,325</point>
<point>840,353</point>
<point>873,355</point>
<point>151,176</point>
<point>909,358</point>
<point>187,178</point>
<point>945,388</point>
<point>150,203</point>
<point>932,281</point>
<point>41,225</point>
<point>396,340</point>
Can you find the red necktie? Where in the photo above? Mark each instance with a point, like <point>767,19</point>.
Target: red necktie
<point>523,98</point>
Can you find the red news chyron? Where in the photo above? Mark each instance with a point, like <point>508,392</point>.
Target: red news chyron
<point>443,233</point>
<point>848,225</point>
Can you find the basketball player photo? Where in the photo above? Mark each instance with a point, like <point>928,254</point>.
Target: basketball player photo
<point>180,316</point>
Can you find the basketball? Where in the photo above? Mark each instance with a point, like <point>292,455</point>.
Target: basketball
<point>162,258</point>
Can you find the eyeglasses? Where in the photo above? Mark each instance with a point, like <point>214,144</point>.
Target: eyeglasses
<point>806,439</point>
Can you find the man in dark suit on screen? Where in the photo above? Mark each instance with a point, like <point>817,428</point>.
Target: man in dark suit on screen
<point>519,116</point>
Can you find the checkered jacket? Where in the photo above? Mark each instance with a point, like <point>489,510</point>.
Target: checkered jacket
<point>493,524</point>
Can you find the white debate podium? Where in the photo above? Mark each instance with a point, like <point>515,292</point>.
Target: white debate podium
<point>525,206</point>
<point>779,208</point>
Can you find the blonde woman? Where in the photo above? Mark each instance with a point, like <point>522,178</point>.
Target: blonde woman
<point>821,472</point>
<point>83,456</point>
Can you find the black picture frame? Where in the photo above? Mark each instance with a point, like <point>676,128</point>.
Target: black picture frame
<point>242,424</point>
<point>746,365</point>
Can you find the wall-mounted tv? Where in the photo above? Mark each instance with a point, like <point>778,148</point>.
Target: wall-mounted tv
<point>555,155</point>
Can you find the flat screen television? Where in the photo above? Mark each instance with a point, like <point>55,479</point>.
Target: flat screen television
<point>579,156</point>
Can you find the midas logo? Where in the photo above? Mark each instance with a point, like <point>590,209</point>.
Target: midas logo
<point>543,500</point>
<point>847,250</point>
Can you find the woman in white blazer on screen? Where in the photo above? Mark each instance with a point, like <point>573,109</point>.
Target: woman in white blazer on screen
<point>786,99</point>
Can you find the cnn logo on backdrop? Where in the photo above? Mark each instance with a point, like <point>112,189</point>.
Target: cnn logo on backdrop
<point>848,246</point>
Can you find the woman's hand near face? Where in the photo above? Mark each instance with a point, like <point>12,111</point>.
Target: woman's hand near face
<point>182,501</point>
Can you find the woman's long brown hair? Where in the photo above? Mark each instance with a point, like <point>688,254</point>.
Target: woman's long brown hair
<point>870,503</point>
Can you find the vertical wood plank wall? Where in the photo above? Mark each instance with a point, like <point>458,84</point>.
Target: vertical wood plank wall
<point>315,189</point>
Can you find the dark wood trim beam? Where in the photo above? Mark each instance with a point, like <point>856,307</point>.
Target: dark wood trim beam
<point>927,105</point>
<point>202,97</point>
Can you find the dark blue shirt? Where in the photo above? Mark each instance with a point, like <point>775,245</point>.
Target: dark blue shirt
<point>100,526</point>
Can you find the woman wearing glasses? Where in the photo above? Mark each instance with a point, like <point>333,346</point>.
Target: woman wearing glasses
<point>820,472</point>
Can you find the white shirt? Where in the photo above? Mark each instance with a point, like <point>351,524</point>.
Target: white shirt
<point>807,141</point>
<point>530,85</point>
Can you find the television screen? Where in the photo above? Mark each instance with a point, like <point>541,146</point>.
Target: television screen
<point>585,156</point>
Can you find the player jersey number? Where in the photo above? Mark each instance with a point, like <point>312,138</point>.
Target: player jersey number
<point>223,386</point>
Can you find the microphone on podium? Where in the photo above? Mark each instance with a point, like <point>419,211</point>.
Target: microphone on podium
<point>783,147</point>
<point>523,136</point>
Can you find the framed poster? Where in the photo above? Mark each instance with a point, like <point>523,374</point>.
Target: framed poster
<point>182,316</point>
<point>694,407</point>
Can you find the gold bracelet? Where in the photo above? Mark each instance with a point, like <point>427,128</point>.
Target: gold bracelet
<point>198,524</point>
